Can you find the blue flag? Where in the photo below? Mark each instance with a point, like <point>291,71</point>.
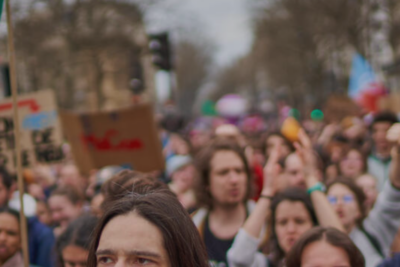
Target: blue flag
<point>362,75</point>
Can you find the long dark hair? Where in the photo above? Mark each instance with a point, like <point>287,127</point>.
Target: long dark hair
<point>293,195</point>
<point>158,205</point>
<point>331,236</point>
<point>78,233</point>
<point>203,165</point>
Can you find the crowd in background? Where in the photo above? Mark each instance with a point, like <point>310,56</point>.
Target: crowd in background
<point>257,195</point>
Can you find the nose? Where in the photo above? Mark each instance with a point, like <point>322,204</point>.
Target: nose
<point>121,263</point>
<point>234,177</point>
<point>3,236</point>
<point>291,227</point>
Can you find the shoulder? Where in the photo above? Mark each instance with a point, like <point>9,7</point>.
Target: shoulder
<point>199,216</point>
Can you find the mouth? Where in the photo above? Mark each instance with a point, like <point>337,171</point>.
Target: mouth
<point>234,192</point>
<point>340,214</point>
<point>291,241</point>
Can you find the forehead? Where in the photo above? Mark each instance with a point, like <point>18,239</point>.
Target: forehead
<point>340,189</point>
<point>381,125</point>
<point>293,162</point>
<point>289,208</point>
<point>9,221</point>
<point>366,180</point>
<point>59,200</point>
<point>132,232</point>
<point>225,159</point>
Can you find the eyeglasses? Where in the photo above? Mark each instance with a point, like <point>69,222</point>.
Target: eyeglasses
<point>346,199</point>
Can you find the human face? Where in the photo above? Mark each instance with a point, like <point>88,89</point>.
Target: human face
<point>4,193</point>
<point>70,175</point>
<point>10,242</point>
<point>352,164</point>
<point>131,240</point>
<point>74,256</point>
<point>228,179</point>
<point>291,220</point>
<point>379,131</point>
<point>368,185</point>
<point>323,254</point>
<point>294,171</point>
<point>345,204</point>
<point>63,210</point>
<point>183,178</point>
<point>274,141</point>
<point>43,213</point>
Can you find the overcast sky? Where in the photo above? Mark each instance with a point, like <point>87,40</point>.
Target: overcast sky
<point>226,22</point>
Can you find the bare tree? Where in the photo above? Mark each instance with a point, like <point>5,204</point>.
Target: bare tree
<point>193,65</point>
<point>72,48</point>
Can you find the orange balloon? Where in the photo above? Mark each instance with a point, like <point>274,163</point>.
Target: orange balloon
<point>290,129</point>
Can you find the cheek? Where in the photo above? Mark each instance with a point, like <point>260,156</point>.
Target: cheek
<point>305,227</point>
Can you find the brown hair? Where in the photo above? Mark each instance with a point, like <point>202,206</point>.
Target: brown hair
<point>124,182</point>
<point>153,201</point>
<point>291,194</point>
<point>362,155</point>
<point>357,191</point>
<point>69,192</point>
<point>330,235</point>
<point>203,164</point>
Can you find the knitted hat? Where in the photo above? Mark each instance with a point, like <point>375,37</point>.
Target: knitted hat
<point>177,162</point>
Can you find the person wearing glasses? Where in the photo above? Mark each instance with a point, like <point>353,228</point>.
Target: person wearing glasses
<point>373,234</point>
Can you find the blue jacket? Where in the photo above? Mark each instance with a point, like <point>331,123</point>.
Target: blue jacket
<point>393,262</point>
<point>41,243</point>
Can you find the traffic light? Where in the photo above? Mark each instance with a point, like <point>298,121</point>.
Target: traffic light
<point>136,81</point>
<point>160,48</point>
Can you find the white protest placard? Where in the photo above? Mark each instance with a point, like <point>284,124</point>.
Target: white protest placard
<point>41,133</point>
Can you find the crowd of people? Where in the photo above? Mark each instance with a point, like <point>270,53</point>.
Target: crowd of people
<point>231,195</point>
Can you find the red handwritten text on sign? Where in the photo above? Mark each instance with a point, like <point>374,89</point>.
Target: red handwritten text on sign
<point>31,103</point>
<point>105,143</point>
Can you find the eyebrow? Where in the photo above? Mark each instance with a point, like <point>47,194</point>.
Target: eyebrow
<point>129,253</point>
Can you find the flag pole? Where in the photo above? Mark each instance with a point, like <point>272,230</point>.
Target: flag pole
<point>14,90</point>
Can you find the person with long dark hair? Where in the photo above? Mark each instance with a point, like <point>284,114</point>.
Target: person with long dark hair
<point>325,247</point>
<point>73,244</point>
<point>292,213</point>
<point>146,226</point>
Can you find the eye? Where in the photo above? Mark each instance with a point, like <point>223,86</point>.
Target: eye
<point>239,171</point>
<point>332,200</point>
<point>282,222</point>
<point>143,261</point>
<point>299,221</point>
<point>104,260</point>
<point>348,199</point>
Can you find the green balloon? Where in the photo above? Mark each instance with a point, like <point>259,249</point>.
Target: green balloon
<point>317,115</point>
<point>208,108</point>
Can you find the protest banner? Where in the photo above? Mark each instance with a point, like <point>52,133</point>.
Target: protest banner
<point>337,107</point>
<point>126,137</point>
<point>390,102</point>
<point>40,130</point>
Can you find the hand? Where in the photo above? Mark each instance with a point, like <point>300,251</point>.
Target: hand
<point>272,171</point>
<point>306,153</point>
<point>393,134</point>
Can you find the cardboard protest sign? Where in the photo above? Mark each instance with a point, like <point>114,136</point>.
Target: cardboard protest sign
<point>338,107</point>
<point>390,102</point>
<point>41,134</point>
<point>125,137</point>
